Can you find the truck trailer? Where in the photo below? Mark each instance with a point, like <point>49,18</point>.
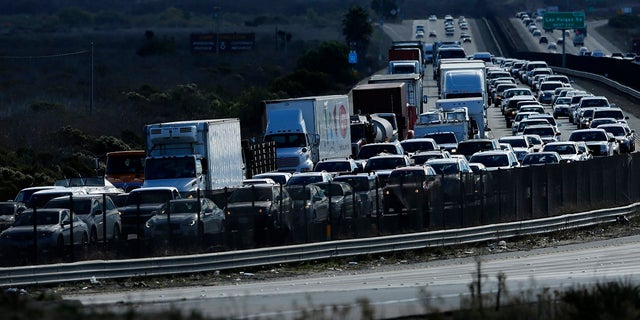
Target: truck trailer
<point>194,155</point>
<point>308,129</point>
<point>385,98</point>
<point>413,83</point>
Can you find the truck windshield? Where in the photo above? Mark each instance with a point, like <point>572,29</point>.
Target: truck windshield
<point>125,163</point>
<point>288,140</point>
<point>170,168</point>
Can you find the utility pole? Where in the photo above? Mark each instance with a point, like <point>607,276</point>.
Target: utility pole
<point>92,86</point>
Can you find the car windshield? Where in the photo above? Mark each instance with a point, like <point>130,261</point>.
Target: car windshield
<point>616,114</point>
<point>183,206</point>
<point>473,147</point>
<point>561,148</point>
<point>333,166</point>
<point>332,189</point>
<point>443,138</point>
<point>491,161</point>
<point>588,136</point>
<point>44,218</point>
<point>384,163</point>
<point>413,146</point>
<point>616,131</point>
<point>79,206</point>
<point>149,196</point>
<point>593,103</point>
<point>289,140</point>
<point>358,184</point>
<point>537,158</point>
<point>406,176</point>
<point>369,151</point>
<point>516,143</point>
<point>445,168</point>
<point>251,194</point>
<point>304,179</point>
<point>541,131</point>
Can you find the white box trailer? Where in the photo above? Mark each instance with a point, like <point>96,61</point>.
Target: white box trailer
<point>308,129</point>
<point>192,155</point>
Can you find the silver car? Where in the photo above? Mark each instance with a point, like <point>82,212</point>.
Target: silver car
<point>187,218</point>
<point>91,209</point>
<point>52,231</point>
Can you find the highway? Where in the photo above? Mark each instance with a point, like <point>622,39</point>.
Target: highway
<point>391,291</point>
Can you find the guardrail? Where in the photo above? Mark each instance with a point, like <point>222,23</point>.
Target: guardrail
<point>602,79</point>
<point>99,269</point>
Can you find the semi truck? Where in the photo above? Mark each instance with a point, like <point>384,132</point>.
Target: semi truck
<point>384,99</point>
<point>413,82</point>
<point>194,155</point>
<point>307,130</point>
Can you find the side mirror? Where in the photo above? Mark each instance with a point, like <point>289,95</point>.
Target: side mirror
<point>424,99</point>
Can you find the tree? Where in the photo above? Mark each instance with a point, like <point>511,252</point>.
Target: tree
<point>357,30</point>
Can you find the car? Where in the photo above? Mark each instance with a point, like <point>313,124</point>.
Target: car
<point>382,165</point>
<point>466,40</point>
<point>433,34</point>
<point>433,17</point>
<point>541,158</point>
<point>343,202</point>
<point>93,209</point>
<point>40,198</point>
<point>337,166</point>
<point>529,122</point>
<point>142,204</point>
<point>310,205</point>
<point>496,159</point>
<point>597,54</point>
<point>449,166</point>
<point>189,218</point>
<point>278,177</point>
<point>569,151</point>
<point>543,39</point>
<point>264,207</point>
<point>582,51</point>
<point>9,211</point>
<point>546,90</point>
<point>24,195</point>
<point>547,132</point>
<point>626,136</point>
<point>601,121</point>
<point>468,147</point>
<point>304,178</point>
<point>419,34</point>
<point>446,140</point>
<point>520,145</point>
<point>51,228</point>
<point>372,149</point>
<point>518,118</point>
<point>536,33</point>
<point>407,190</point>
<point>369,191</point>
<point>599,142</point>
<point>411,146</point>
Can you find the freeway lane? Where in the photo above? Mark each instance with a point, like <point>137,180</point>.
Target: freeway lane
<point>392,290</point>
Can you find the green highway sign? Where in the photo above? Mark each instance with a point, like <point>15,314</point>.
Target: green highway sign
<point>563,20</point>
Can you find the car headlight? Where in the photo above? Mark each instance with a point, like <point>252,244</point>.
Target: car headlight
<point>190,223</point>
<point>149,224</point>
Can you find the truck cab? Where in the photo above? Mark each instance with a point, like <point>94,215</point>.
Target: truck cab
<point>294,146</point>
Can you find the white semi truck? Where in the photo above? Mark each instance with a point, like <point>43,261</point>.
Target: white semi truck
<point>194,155</point>
<point>307,130</point>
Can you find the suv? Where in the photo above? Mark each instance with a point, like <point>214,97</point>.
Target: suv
<point>599,142</point>
<point>372,149</point>
<point>260,207</point>
<point>92,209</point>
<point>367,187</point>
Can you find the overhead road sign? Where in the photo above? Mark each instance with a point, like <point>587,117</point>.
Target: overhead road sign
<point>563,20</point>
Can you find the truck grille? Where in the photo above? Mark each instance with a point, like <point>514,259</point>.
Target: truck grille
<point>287,162</point>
